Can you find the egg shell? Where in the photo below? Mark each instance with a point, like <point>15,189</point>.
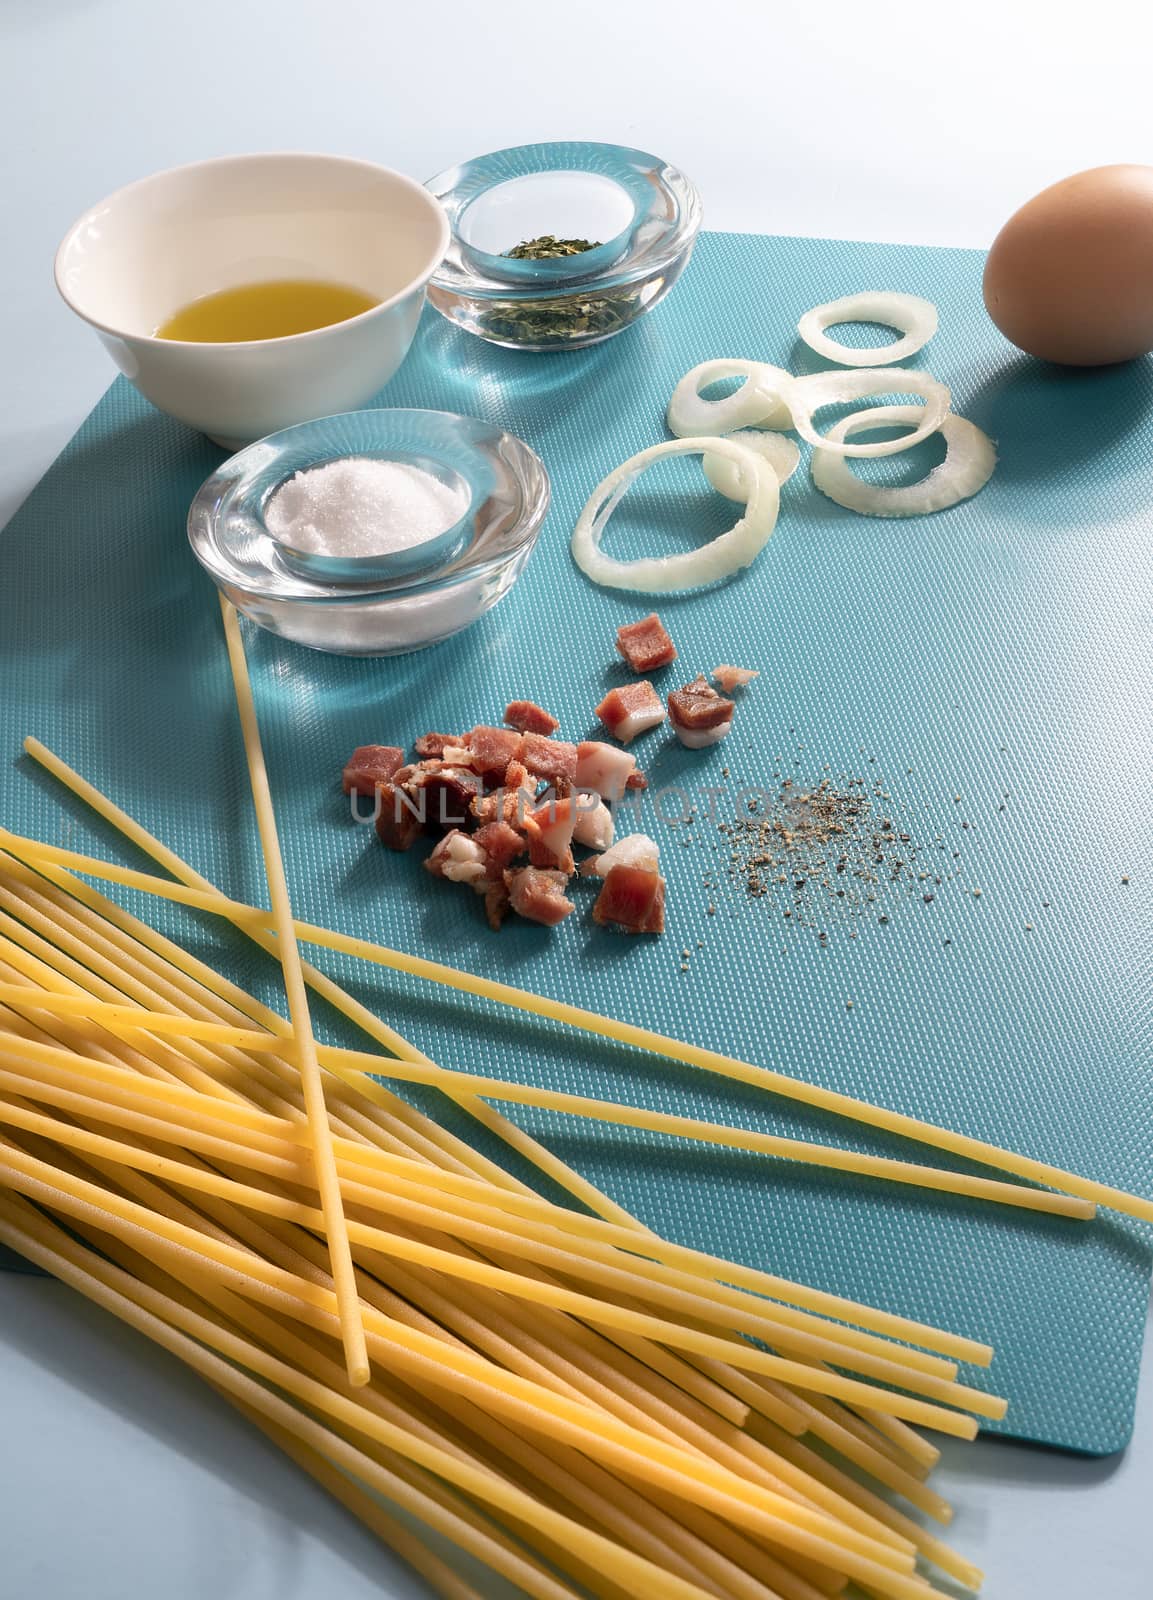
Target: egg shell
<point>1070,276</point>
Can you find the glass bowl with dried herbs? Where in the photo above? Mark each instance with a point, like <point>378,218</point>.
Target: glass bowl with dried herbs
<point>561,245</point>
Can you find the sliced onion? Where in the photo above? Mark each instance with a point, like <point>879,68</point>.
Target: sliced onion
<point>915,318</point>
<point>807,395</point>
<point>967,467</point>
<point>777,449</point>
<point>757,403</point>
<point>720,558</point>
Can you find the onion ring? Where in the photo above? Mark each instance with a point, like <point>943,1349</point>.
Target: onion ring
<point>913,317</point>
<point>757,403</point>
<point>779,451</point>
<point>967,467</point>
<point>720,558</point>
<point>806,395</point>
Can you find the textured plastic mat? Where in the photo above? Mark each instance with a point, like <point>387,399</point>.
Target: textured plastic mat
<point>986,669</point>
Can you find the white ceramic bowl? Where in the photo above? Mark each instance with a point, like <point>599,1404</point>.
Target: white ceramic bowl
<point>147,250</point>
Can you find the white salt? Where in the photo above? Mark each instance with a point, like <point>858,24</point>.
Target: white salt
<point>362,507</point>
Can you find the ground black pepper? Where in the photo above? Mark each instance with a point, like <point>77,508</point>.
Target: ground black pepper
<point>820,848</point>
<point>826,853</point>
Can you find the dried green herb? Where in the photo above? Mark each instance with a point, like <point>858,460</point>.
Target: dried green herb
<point>576,318</point>
<point>563,320</point>
<point>549,248</point>
<point>557,320</point>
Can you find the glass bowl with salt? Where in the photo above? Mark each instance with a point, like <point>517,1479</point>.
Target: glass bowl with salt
<point>560,245</point>
<point>372,532</point>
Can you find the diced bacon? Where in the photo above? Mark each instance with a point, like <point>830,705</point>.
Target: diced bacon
<point>369,765</point>
<point>434,744</point>
<point>701,738</point>
<point>460,788</point>
<point>488,808</point>
<point>460,859</point>
<point>603,768</point>
<point>549,831</point>
<point>527,717</point>
<point>633,708</point>
<point>731,678</point>
<point>540,855</point>
<point>496,903</point>
<point>398,819</point>
<point>700,716</point>
<point>632,899</point>
<point>550,759</point>
<point>634,850</point>
<point>493,748</point>
<point>539,895</point>
<point>655,921</point>
<point>698,705</point>
<point>445,794</point>
<point>646,645</point>
<point>511,802</point>
<point>594,826</point>
<point>501,844</point>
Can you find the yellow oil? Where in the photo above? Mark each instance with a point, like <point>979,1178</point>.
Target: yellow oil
<point>271,310</point>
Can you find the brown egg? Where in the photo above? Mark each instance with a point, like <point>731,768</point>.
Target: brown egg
<point>1070,275</point>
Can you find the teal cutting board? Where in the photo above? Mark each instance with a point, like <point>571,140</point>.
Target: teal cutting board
<point>987,667</point>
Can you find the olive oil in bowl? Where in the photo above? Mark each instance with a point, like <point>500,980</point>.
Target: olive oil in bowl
<point>272,310</point>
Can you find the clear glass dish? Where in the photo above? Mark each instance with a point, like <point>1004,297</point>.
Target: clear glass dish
<point>374,606</point>
<point>641,214</point>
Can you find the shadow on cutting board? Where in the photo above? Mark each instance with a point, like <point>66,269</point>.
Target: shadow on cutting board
<point>1057,424</point>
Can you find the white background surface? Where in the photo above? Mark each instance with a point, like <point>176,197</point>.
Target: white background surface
<point>119,1476</point>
